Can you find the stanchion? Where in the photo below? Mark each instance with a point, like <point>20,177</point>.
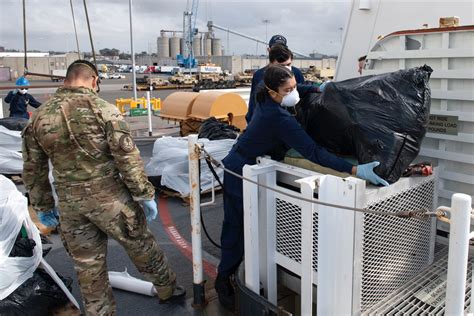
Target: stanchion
<point>458,253</point>
<point>199,300</point>
<point>148,104</point>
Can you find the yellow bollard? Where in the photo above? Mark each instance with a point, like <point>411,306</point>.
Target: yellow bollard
<point>120,104</point>
<point>140,102</point>
<point>156,104</point>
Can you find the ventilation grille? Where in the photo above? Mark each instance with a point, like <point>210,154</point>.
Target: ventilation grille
<point>411,298</point>
<point>289,232</point>
<point>395,249</point>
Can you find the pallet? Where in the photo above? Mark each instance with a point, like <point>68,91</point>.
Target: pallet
<point>169,193</point>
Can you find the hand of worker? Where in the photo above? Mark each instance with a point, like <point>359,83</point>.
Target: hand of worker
<point>15,91</point>
<point>150,208</point>
<point>323,86</point>
<point>48,218</point>
<point>366,172</point>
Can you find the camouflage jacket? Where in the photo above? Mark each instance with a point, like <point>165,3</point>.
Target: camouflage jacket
<point>86,138</point>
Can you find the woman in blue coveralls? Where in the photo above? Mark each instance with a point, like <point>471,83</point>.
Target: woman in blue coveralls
<point>270,125</point>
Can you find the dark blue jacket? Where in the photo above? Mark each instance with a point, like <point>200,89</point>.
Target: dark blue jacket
<point>257,79</point>
<point>270,125</point>
<point>19,104</point>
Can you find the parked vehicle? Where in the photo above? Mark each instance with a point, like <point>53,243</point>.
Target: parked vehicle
<point>103,75</point>
<point>61,73</point>
<point>116,76</point>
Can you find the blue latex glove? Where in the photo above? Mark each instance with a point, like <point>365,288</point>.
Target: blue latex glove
<point>323,85</point>
<point>366,172</point>
<point>150,208</point>
<point>48,218</point>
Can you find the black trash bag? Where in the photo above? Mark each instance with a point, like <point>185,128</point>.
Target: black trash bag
<point>213,129</point>
<point>37,296</point>
<point>23,247</point>
<point>14,123</point>
<point>380,117</point>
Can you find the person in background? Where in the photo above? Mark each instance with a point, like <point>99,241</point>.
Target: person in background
<point>270,125</point>
<point>278,53</point>
<point>361,63</point>
<point>19,99</point>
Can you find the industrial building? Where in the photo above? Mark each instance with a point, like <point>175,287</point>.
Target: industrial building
<point>12,64</point>
<point>204,44</point>
<point>208,49</point>
<point>234,64</point>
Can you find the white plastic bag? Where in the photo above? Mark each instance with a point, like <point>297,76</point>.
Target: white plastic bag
<point>170,161</point>
<point>11,160</point>
<point>10,140</point>
<point>13,214</point>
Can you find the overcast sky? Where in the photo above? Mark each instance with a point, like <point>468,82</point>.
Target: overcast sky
<point>308,25</point>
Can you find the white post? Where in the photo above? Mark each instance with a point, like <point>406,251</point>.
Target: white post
<point>472,287</point>
<point>148,104</point>
<point>307,213</point>
<point>268,236</point>
<point>336,246</point>
<point>195,201</point>
<point>251,237</point>
<point>458,253</point>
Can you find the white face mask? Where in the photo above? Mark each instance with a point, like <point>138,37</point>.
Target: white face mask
<point>291,99</point>
<point>288,67</point>
<point>23,91</point>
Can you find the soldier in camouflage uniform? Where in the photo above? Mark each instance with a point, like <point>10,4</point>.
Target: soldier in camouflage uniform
<point>100,182</point>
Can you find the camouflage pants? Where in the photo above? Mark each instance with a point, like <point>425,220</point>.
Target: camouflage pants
<point>88,216</point>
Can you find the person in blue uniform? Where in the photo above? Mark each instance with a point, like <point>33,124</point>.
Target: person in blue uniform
<point>270,125</point>
<point>278,53</point>
<point>19,99</point>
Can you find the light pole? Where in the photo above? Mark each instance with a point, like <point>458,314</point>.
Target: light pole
<point>134,75</point>
<point>266,28</point>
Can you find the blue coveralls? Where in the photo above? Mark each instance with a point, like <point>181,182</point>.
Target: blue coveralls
<point>19,104</point>
<point>270,125</point>
<point>257,79</point>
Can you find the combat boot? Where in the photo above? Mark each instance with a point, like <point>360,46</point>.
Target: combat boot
<point>178,294</point>
<point>225,292</point>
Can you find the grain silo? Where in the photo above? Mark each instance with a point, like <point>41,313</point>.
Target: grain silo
<point>216,47</point>
<point>197,45</point>
<point>207,51</point>
<point>163,46</point>
<point>182,46</point>
<point>174,46</point>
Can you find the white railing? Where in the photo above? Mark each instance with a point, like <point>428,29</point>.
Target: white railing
<point>339,252</point>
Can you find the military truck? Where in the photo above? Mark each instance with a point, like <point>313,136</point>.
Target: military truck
<point>213,81</point>
<point>146,82</point>
<point>312,75</point>
<point>157,82</point>
<point>243,77</point>
<point>181,79</point>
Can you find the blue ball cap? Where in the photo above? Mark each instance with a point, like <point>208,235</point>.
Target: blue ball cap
<point>277,39</point>
<point>22,81</point>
